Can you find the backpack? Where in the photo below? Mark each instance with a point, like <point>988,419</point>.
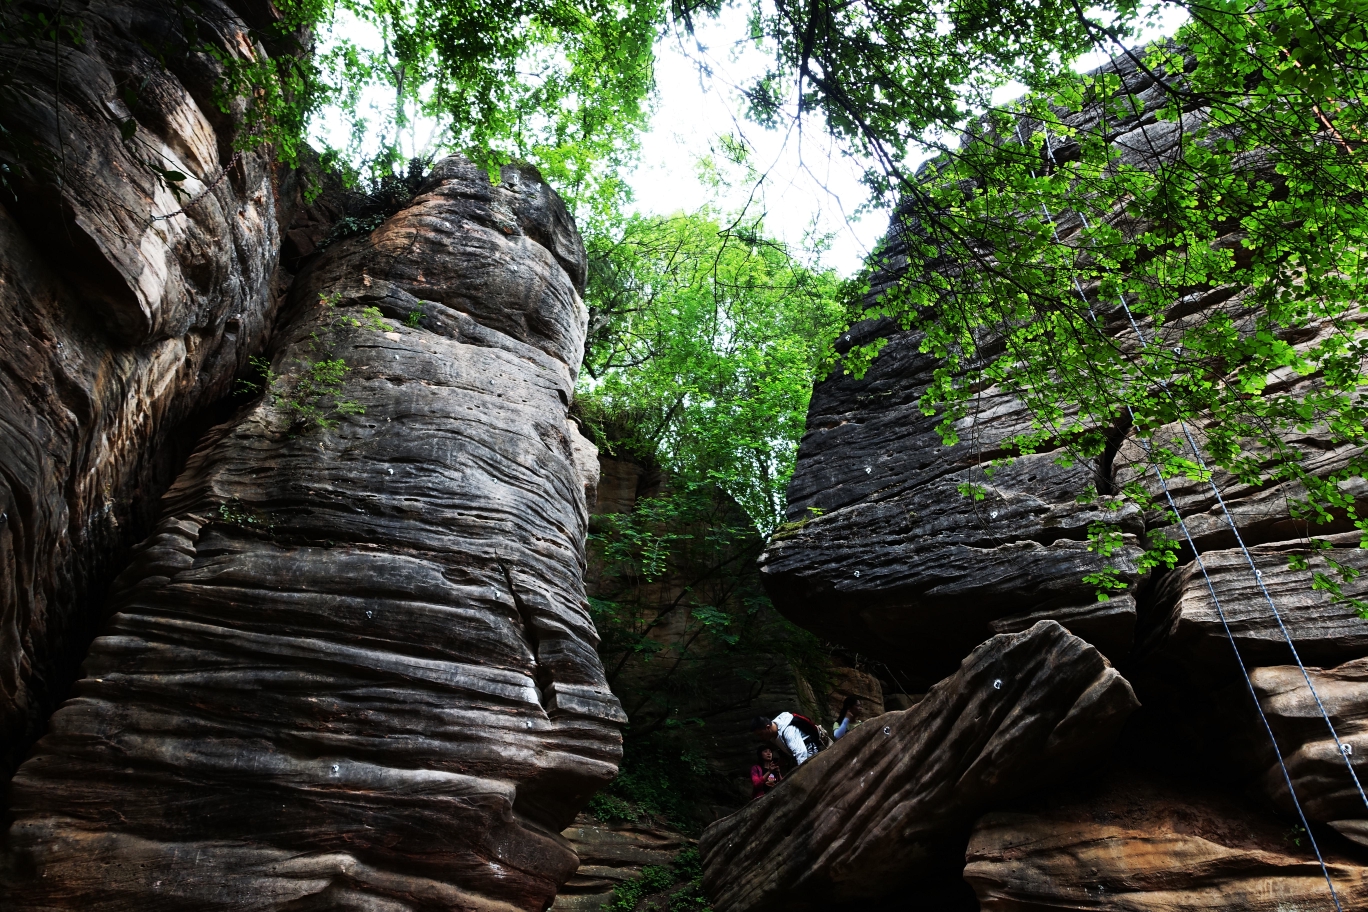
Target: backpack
<point>814,734</point>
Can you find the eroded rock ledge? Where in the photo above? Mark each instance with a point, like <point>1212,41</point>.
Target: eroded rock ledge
<point>354,667</point>
<point>1148,846</point>
<point>890,801</point>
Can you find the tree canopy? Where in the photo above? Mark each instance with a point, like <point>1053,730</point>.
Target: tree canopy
<point>704,340</point>
<point>1263,189</point>
<point>1248,193</point>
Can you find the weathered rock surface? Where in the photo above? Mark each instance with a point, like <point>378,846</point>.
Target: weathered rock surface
<point>885,555</point>
<point>127,309</point>
<point>1320,776</point>
<point>872,813</point>
<point>895,561</point>
<point>1261,510</point>
<point>1325,632</point>
<point>899,564</point>
<point>852,682</point>
<point>354,667</point>
<point>1139,847</point>
<point>609,854</point>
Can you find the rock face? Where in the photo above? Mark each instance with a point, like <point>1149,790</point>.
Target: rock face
<point>1318,770</point>
<point>880,807</point>
<point>127,308</point>
<point>354,666</point>
<point>892,559</point>
<point>1325,632</point>
<point>609,854</point>
<point>884,554</point>
<point>898,564</point>
<point>1146,847</point>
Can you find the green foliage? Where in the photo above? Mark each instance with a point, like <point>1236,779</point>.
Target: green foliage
<point>704,343</point>
<point>661,776</point>
<point>560,83</point>
<point>277,79</point>
<point>677,887</point>
<point>351,226</point>
<point>564,84</point>
<point>311,395</point>
<point>234,513</point>
<point>686,633</point>
<point>1265,192</point>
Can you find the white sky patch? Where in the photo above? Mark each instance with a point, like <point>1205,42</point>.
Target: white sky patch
<point>808,188</point>
<point>375,106</point>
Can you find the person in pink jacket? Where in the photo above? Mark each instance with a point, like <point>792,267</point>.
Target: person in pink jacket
<point>765,775</point>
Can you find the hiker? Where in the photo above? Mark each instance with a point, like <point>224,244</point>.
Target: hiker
<point>799,734</point>
<point>765,775</point>
<point>847,717</point>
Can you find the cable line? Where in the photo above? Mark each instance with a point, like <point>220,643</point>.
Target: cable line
<point>1230,519</point>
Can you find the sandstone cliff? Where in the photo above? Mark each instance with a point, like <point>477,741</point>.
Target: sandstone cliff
<point>884,554</point>
<point>354,665</point>
<point>129,303</point>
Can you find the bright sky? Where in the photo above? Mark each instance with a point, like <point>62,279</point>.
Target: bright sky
<point>805,184</point>
<point>807,188</point>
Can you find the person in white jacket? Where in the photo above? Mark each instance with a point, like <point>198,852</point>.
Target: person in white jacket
<point>782,727</point>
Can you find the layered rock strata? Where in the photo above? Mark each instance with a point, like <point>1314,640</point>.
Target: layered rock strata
<point>1319,771</point>
<point>891,558</point>
<point>1325,631</point>
<point>130,299</point>
<point>886,803</point>
<point>885,554</point>
<point>354,667</point>
<point>1145,847</point>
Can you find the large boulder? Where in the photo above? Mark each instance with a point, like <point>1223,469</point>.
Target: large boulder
<point>1326,631</point>
<point>1140,846</point>
<point>891,801</point>
<point>354,667</point>
<point>128,301</point>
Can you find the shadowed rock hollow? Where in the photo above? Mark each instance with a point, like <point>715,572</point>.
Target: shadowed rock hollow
<point>353,667</point>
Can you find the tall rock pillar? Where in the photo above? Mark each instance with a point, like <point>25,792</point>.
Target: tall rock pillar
<point>353,668</point>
